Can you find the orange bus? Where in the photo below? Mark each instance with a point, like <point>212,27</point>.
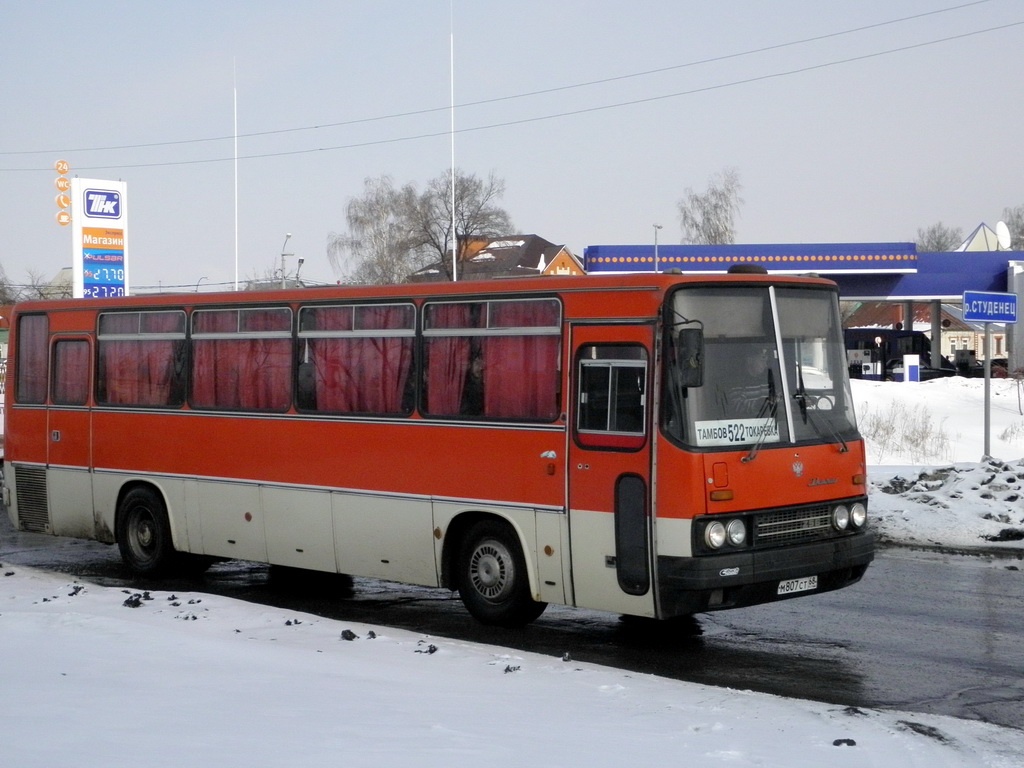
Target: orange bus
<point>652,445</point>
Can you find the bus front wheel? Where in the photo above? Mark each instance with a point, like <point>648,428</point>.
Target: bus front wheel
<point>143,533</point>
<point>493,582</point>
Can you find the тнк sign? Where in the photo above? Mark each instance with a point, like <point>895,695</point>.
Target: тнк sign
<point>102,203</point>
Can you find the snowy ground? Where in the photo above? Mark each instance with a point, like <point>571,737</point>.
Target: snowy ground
<point>930,482</point>
<point>95,676</point>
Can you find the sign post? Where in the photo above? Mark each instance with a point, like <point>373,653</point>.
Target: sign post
<point>989,307</point>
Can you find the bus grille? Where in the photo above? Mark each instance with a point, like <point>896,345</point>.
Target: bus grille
<point>792,526</point>
<point>33,506</point>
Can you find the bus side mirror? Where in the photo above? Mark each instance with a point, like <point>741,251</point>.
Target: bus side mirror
<point>690,357</point>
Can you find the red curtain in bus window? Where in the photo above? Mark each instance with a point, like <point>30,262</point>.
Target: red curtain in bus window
<point>265,381</point>
<point>32,361</point>
<point>383,363</point>
<point>521,372</point>
<point>118,366</point>
<point>214,373</point>
<point>160,381</point>
<point>242,372</point>
<point>447,360</point>
<point>362,375</point>
<point>332,361</point>
<point>71,372</point>
<point>139,371</point>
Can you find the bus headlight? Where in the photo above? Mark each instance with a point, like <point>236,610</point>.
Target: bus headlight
<point>841,518</point>
<point>714,535</point>
<point>736,532</point>
<point>858,515</point>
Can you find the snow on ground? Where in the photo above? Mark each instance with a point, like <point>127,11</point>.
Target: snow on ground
<point>931,484</point>
<point>95,676</point>
<point>932,422</point>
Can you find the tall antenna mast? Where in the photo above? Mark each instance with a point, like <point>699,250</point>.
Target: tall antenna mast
<point>451,69</point>
<point>234,86</point>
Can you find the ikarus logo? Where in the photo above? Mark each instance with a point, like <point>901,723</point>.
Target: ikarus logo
<point>103,203</point>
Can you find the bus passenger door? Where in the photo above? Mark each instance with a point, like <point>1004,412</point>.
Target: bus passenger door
<point>69,459</point>
<point>609,468</point>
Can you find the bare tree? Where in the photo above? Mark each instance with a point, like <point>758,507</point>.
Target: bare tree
<point>36,287</point>
<point>1014,218</point>
<point>379,241</point>
<point>709,218</point>
<point>476,213</point>
<point>8,292</point>
<point>393,231</point>
<point>939,238</point>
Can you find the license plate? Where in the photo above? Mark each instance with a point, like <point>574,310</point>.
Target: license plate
<point>790,586</point>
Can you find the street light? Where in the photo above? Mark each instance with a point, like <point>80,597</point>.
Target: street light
<point>656,228</point>
<point>283,255</point>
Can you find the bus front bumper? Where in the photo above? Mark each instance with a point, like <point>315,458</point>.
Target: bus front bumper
<point>733,580</point>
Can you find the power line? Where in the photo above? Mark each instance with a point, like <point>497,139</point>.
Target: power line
<point>557,89</point>
<point>496,99</point>
<point>556,115</point>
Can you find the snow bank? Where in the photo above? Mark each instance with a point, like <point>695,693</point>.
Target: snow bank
<point>106,677</point>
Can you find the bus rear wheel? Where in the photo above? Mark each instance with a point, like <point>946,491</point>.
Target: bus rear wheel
<point>143,533</point>
<point>493,582</point>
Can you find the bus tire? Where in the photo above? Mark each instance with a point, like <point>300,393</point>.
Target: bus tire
<point>143,533</point>
<point>493,581</point>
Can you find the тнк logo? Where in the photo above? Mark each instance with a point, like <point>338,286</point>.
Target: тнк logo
<point>103,203</point>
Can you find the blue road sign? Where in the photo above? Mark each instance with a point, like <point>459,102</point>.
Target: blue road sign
<point>989,307</point>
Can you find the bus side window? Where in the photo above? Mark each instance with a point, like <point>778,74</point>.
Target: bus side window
<point>242,358</point>
<point>628,414</point>
<point>141,358</point>
<point>71,372</point>
<point>32,359</point>
<point>492,359</point>
<point>612,397</point>
<point>356,358</point>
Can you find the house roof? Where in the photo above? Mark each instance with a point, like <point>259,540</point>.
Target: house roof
<point>490,257</point>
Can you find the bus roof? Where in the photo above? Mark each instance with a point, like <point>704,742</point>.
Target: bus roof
<point>544,285</point>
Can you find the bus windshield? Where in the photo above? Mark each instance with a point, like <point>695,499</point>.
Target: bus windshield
<point>774,368</point>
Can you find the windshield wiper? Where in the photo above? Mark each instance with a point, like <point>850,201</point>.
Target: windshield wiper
<point>809,417</point>
<point>801,397</point>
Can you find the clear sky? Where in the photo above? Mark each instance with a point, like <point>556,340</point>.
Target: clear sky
<point>847,120</point>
